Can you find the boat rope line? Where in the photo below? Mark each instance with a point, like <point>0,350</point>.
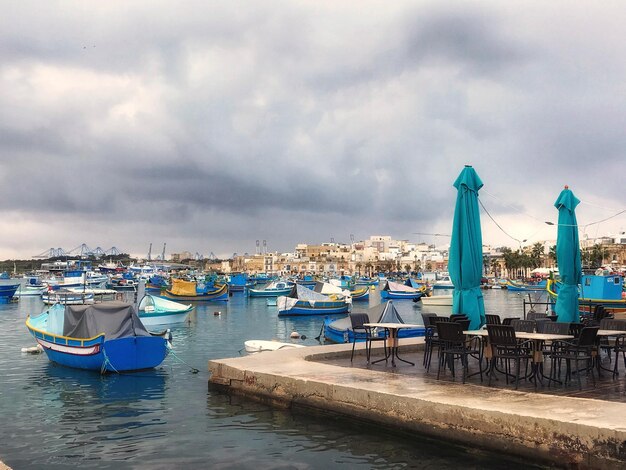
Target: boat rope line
<point>547,222</point>
<point>497,224</point>
<point>193,370</point>
<point>580,227</point>
<point>103,369</point>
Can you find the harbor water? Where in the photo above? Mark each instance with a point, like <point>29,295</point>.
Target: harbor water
<point>55,417</point>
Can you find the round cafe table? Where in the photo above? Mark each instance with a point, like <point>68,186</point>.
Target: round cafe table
<point>392,341</point>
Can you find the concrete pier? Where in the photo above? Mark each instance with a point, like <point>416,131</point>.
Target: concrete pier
<point>561,430</point>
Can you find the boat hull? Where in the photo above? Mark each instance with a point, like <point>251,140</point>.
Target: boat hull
<point>220,293</point>
<point>268,292</point>
<point>346,335</point>
<point>438,301</point>
<point>163,318</point>
<point>389,294</point>
<point>304,308</point>
<point>116,355</point>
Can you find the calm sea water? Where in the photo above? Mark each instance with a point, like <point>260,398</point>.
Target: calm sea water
<point>167,418</point>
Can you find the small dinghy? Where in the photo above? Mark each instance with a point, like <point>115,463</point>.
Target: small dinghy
<point>258,345</point>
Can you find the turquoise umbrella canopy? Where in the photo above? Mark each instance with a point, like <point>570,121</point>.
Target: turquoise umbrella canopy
<point>465,262</point>
<point>568,257</point>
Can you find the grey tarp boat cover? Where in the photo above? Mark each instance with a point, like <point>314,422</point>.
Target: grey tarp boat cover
<point>114,319</point>
<point>390,314</point>
<point>383,313</point>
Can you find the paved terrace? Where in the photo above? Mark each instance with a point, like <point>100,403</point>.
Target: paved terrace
<point>558,425</point>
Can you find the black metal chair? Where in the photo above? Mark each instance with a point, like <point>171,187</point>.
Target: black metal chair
<point>579,350</point>
<point>492,319</point>
<point>526,326</point>
<point>553,328</point>
<point>430,336</point>
<point>506,347</point>
<point>619,347</point>
<point>507,321</point>
<point>575,329</point>
<point>458,316</point>
<point>366,333</point>
<point>606,344</point>
<point>453,344</point>
<point>536,316</point>
<point>432,339</point>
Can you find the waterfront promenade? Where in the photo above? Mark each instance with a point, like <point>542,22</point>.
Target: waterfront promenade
<point>551,428</point>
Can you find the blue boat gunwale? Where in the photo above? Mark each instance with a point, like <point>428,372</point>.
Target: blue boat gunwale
<point>56,339</point>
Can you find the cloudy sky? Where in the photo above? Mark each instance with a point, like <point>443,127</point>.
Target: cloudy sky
<point>209,125</point>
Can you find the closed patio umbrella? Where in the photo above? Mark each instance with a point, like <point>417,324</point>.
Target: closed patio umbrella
<point>568,257</point>
<point>465,261</point>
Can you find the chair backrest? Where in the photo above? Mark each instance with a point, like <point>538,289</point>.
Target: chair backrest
<point>527,326</point>
<point>610,324</point>
<point>357,320</point>
<point>464,323</point>
<point>552,328</point>
<point>575,329</point>
<point>536,316</point>
<point>458,316</point>
<point>507,321</point>
<point>501,335</point>
<point>426,318</point>
<point>441,320</point>
<point>588,336</point>
<point>450,331</point>
<point>493,319</point>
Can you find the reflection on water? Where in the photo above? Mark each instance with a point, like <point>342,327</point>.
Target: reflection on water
<point>58,417</point>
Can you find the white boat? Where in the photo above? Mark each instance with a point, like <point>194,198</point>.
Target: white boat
<point>258,345</point>
<point>154,310</point>
<point>437,300</point>
<point>77,296</point>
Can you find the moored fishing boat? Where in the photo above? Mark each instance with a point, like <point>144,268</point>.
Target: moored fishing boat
<point>517,287</point>
<point>437,300</point>
<point>273,289</point>
<point>108,337</point>
<point>362,293</point>
<point>7,291</point>
<point>191,291</point>
<point>304,301</point>
<point>395,290</point>
<point>340,330</point>
<point>154,310</point>
<point>67,297</point>
<point>604,290</point>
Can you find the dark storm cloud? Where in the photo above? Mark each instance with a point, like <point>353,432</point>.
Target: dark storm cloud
<point>295,122</point>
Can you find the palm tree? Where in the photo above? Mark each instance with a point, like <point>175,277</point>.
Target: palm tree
<point>552,254</point>
<point>598,253</point>
<point>358,268</point>
<point>407,268</point>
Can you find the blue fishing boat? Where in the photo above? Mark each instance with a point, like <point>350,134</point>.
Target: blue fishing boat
<point>395,290</point>
<point>340,330</point>
<point>238,282</point>
<point>362,293</point>
<point>517,287</point>
<point>107,337</point>
<point>604,290</point>
<point>154,310</point>
<point>191,291</point>
<point>273,289</point>
<point>366,281</point>
<point>304,301</point>
<point>7,291</point>
<point>443,283</point>
<point>307,280</point>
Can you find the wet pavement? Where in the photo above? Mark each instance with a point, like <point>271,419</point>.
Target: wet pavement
<point>561,425</point>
